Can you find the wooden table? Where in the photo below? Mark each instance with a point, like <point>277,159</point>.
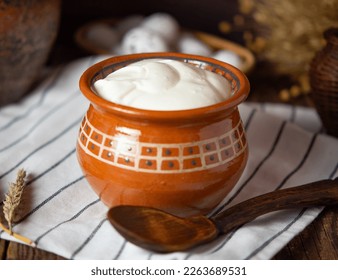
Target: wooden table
<point>318,241</point>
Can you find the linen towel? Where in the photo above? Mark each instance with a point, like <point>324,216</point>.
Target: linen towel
<point>62,214</point>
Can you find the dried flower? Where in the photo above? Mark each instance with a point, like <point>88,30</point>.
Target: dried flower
<point>292,34</point>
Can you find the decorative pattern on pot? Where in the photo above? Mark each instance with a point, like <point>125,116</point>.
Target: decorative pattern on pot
<point>161,158</point>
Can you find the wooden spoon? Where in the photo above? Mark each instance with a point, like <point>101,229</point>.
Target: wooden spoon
<point>162,232</point>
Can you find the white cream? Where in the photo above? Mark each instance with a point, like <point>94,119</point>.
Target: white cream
<point>164,85</point>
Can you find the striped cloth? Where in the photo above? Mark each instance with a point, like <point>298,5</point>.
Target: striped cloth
<point>62,214</point>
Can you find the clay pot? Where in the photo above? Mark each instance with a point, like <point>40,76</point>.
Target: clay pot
<point>184,162</point>
<point>27,32</point>
<point>324,82</point>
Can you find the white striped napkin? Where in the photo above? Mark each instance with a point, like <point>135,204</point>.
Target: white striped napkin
<point>64,216</point>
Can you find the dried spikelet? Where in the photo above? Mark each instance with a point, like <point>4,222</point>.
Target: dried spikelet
<point>13,198</point>
<point>10,205</point>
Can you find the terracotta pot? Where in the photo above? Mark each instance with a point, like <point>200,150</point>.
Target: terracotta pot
<point>184,162</point>
<point>27,32</point>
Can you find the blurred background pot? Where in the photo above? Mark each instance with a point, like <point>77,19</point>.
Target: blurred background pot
<point>28,29</point>
<point>324,82</point>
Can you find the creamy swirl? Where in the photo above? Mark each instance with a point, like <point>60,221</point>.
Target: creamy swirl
<point>163,85</point>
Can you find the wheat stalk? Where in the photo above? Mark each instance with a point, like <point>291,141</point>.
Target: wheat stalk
<point>13,198</point>
<point>11,203</point>
<point>18,236</point>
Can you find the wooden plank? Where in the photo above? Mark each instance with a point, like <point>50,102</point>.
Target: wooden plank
<point>3,249</point>
<point>319,241</point>
<point>18,251</point>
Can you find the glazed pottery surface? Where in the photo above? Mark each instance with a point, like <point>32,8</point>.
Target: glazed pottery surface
<point>184,162</point>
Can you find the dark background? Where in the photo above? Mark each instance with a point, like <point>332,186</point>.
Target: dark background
<point>194,14</point>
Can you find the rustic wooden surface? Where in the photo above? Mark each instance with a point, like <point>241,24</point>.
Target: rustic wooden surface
<point>319,241</point>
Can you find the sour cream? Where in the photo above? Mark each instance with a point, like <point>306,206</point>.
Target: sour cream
<point>163,85</point>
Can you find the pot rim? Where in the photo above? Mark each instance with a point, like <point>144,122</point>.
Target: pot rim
<point>91,74</point>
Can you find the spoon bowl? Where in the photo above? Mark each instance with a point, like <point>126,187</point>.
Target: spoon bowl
<point>159,231</point>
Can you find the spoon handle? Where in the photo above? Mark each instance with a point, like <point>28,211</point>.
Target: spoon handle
<point>320,193</point>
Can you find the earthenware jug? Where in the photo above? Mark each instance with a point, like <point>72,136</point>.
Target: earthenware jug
<point>184,162</point>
